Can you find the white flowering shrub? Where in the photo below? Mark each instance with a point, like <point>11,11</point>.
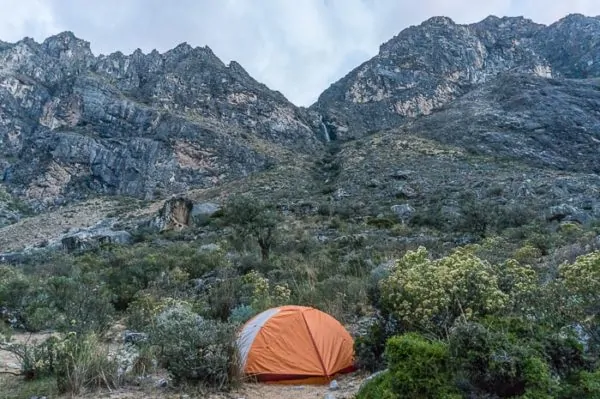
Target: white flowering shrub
<point>430,295</point>
<point>582,279</point>
<point>579,283</point>
<point>194,349</point>
<point>264,294</point>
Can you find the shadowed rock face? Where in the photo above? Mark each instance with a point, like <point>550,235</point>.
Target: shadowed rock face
<point>138,125</point>
<point>427,66</point>
<point>544,123</point>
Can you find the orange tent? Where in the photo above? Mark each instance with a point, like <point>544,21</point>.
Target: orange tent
<point>295,345</point>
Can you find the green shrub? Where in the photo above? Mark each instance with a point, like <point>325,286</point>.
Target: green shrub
<point>380,387</point>
<point>527,253</point>
<point>429,217</point>
<point>584,385</point>
<point>382,223</point>
<point>558,346</point>
<point>220,298</point>
<point>194,349</point>
<point>264,294</point>
<point>494,363</point>
<point>80,305</point>
<point>142,312</point>
<point>242,314</point>
<point>418,368</point>
<point>68,303</point>
<point>250,217</point>
<point>370,348</point>
<point>37,360</point>
<point>82,363</point>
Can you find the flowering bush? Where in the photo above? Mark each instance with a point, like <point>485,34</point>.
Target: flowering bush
<point>580,281</point>
<point>265,295</point>
<point>582,278</point>
<point>432,295</point>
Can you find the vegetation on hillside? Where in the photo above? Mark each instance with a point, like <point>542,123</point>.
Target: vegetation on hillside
<point>513,314</point>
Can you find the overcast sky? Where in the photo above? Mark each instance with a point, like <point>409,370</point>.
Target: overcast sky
<point>298,47</point>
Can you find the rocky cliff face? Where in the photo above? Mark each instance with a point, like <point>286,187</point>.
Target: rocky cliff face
<point>74,125</point>
<point>430,65</point>
<point>545,123</point>
<point>139,125</point>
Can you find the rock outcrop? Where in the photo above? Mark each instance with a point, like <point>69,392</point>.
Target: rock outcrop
<point>428,66</point>
<point>142,125</point>
<point>175,214</point>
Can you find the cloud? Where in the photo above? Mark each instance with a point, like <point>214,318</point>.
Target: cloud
<point>296,47</point>
<point>31,18</point>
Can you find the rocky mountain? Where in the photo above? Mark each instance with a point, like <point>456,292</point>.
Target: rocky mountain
<point>141,125</point>
<point>428,66</point>
<point>506,111</point>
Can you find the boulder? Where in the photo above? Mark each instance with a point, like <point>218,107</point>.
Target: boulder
<point>93,237</point>
<point>174,215</point>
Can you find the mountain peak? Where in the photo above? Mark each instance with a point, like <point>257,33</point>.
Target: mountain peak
<point>438,20</point>
<point>578,20</point>
<point>67,45</point>
<point>427,66</point>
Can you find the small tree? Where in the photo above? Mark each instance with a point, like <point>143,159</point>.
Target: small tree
<point>251,217</point>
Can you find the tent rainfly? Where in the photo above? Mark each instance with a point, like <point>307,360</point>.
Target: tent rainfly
<point>295,345</point>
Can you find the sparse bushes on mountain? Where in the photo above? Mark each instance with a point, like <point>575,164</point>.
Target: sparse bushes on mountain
<point>80,303</point>
<point>530,323</point>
